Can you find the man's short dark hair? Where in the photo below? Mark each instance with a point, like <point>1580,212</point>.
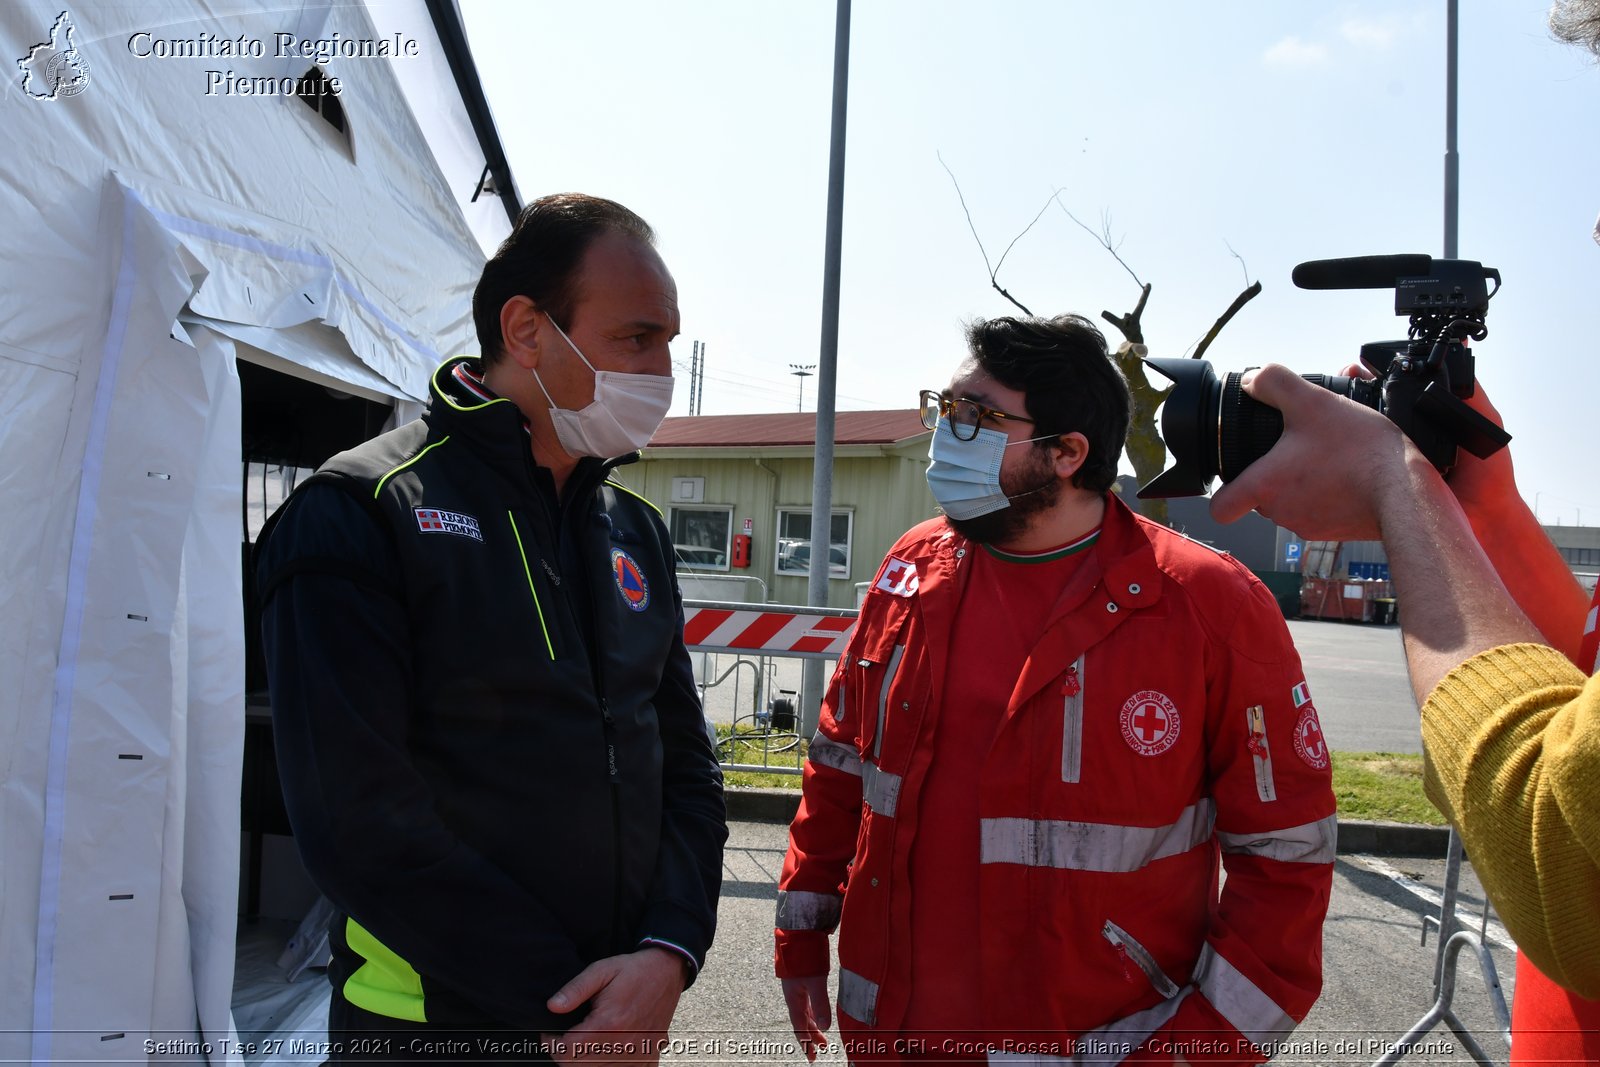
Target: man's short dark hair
<point>1070,382</point>
<point>1577,22</point>
<point>540,260</point>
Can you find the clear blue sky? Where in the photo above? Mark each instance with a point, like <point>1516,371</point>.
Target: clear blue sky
<point>1288,131</point>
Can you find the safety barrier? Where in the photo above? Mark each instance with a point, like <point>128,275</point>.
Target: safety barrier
<point>765,738</point>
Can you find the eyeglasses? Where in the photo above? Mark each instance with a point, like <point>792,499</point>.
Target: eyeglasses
<point>964,416</point>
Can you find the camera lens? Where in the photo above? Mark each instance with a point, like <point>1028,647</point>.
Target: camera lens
<point>1246,428</point>
<point>1213,427</point>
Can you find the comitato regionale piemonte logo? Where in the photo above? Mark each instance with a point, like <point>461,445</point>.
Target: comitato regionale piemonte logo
<point>55,69</point>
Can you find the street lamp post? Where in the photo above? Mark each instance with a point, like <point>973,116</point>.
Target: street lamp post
<point>802,371</point>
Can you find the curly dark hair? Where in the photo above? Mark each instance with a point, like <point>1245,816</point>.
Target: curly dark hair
<point>540,259</point>
<point>1070,382</point>
<point>1577,22</point>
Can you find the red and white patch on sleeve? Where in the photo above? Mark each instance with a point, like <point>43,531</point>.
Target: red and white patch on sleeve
<point>1309,743</point>
<point>898,577</point>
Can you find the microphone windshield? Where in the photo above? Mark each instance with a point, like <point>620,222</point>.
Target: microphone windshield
<point>1361,272</point>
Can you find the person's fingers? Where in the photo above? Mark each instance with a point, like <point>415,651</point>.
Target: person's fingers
<point>804,1005</point>
<point>1274,384</point>
<point>584,985</point>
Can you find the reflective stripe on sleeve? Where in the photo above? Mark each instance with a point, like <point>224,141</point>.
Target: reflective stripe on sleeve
<point>1088,846</point>
<point>858,998</point>
<point>880,788</point>
<point>1312,842</point>
<point>826,752</point>
<point>807,911</point>
<point>1240,1001</point>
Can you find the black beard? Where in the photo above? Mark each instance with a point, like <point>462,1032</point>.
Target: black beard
<point>1011,521</point>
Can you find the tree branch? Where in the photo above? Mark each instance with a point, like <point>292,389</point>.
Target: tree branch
<point>1103,237</point>
<point>1242,265</point>
<point>993,270</point>
<point>1233,309</point>
<point>1129,323</point>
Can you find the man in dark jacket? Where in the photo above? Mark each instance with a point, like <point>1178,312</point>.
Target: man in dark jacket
<point>491,745</point>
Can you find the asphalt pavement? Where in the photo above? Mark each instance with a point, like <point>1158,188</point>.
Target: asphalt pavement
<point>1378,977</point>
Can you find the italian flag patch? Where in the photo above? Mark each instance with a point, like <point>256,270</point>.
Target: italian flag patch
<point>1302,695</point>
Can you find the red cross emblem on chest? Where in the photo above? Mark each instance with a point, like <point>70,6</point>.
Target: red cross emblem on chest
<point>1150,722</point>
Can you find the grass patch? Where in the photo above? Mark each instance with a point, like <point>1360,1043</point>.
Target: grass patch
<point>757,748</point>
<point>1385,786</point>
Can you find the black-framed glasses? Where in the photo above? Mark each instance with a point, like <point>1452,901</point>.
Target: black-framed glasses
<point>965,416</point>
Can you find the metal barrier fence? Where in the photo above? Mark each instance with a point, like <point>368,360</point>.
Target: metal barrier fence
<point>764,737</point>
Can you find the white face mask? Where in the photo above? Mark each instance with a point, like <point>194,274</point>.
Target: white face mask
<point>625,413</point>
<point>965,475</point>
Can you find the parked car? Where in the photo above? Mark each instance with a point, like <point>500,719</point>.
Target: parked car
<point>799,557</point>
<point>692,556</point>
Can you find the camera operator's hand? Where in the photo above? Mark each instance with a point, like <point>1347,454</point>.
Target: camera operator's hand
<point>1325,477</point>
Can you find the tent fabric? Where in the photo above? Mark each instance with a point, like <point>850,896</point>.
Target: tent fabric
<point>155,232</point>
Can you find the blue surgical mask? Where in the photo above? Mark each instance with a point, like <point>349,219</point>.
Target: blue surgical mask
<point>965,475</point>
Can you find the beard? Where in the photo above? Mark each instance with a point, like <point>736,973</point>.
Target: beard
<point>1031,490</point>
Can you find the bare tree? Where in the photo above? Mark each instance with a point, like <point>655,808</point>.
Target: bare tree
<point>1145,449</point>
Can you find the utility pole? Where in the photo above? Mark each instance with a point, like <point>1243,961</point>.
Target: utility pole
<point>827,384</point>
<point>694,376</point>
<point>802,371</point>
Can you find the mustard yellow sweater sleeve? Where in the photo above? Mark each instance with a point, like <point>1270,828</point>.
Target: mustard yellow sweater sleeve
<point>1512,738</point>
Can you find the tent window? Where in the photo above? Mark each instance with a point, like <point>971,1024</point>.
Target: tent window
<point>315,93</point>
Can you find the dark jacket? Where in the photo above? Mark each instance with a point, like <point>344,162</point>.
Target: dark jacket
<point>489,737</point>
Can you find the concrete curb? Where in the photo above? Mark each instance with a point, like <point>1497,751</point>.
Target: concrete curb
<point>1373,838</point>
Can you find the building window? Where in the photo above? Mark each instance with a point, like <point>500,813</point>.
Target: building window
<point>321,94</point>
<point>702,537</point>
<point>794,543</point>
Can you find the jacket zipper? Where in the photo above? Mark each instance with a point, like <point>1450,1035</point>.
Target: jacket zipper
<point>1256,742</point>
<point>1072,723</point>
<point>883,696</point>
<point>608,729</point>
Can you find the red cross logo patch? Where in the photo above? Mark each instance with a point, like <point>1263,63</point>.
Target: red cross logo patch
<point>1309,743</point>
<point>1150,722</point>
<point>898,577</point>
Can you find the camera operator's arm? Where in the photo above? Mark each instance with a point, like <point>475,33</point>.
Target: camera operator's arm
<point>1511,729</point>
<point>1342,471</point>
<point>1523,554</point>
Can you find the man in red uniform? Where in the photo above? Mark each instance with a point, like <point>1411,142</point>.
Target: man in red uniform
<point>1054,726</point>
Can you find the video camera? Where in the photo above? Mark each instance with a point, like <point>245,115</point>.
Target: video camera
<point>1213,427</point>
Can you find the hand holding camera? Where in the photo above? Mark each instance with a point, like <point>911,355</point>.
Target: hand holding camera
<point>1422,384</point>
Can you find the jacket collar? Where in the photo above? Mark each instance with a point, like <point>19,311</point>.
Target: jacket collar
<point>497,431</point>
<point>1119,577</point>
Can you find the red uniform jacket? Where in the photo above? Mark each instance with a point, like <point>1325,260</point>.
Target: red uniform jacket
<point>1160,725</point>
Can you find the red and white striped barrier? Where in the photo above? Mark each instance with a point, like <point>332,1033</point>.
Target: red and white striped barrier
<point>772,631</point>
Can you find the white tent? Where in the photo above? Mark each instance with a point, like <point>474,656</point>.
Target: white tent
<point>160,225</point>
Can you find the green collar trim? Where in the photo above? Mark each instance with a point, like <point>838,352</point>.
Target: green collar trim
<point>1047,556</point>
